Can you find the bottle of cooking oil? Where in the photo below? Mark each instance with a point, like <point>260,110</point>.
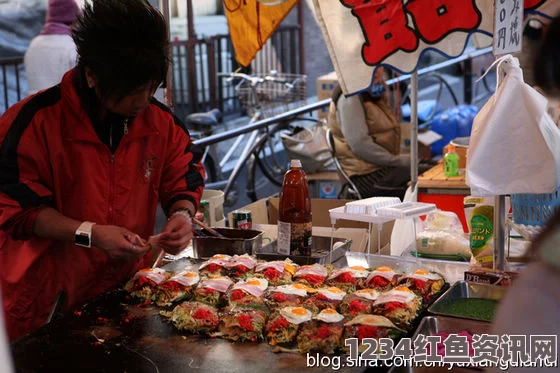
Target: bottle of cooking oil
<point>294,222</point>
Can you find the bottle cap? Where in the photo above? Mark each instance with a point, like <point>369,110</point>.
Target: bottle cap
<point>451,148</point>
<point>295,163</point>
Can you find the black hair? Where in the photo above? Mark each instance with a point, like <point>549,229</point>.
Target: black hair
<point>547,62</point>
<point>125,44</point>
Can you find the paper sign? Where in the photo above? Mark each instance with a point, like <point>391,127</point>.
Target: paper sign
<point>508,26</point>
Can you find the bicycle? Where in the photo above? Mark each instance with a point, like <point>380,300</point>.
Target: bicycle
<point>263,96</point>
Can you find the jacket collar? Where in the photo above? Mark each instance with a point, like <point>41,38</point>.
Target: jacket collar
<point>82,129</point>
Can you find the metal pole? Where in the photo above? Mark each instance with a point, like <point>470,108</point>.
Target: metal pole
<point>191,35</point>
<point>414,130</point>
<point>467,82</point>
<point>499,232</point>
<point>168,91</point>
<point>301,38</point>
<point>226,135</point>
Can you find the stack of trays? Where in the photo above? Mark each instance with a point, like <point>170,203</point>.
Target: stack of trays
<point>380,210</point>
<point>369,206</point>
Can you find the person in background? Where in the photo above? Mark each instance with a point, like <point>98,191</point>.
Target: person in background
<point>84,164</point>
<point>534,29</point>
<point>53,52</point>
<point>532,305</point>
<point>367,141</point>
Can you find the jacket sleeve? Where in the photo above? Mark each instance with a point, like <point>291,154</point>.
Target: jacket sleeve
<point>24,170</point>
<point>183,174</point>
<point>352,120</point>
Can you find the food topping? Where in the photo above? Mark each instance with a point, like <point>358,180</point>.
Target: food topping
<point>399,295</point>
<point>296,315</point>
<point>370,294</point>
<point>349,273</point>
<point>157,275</point>
<point>253,286</point>
<point>278,265</point>
<point>186,278</point>
<point>241,260</point>
<point>385,272</point>
<point>423,275</point>
<point>220,284</point>
<point>332,292</point>
<point>329,315</point>
<point>315,270</point>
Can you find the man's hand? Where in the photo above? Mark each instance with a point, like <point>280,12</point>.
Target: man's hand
<point>118,242</point>
<point>176,234</point>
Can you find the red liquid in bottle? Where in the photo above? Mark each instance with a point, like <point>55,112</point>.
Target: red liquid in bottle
<point>294,223</point>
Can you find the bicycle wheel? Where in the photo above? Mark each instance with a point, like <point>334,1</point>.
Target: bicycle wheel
<point>270,158</point>
<point>210,167</point>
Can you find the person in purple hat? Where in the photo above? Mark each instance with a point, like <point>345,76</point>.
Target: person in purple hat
<point>52,52</point>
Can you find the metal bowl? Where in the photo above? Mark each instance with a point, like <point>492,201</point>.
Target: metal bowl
<point>461,142</point>
<point>236,241</point>
<point>463,289</point>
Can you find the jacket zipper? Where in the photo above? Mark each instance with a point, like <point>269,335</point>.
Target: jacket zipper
<point>111,188</point>
<point>112,171</point>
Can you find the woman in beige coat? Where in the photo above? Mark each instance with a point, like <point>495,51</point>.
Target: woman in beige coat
<point>367,141</point>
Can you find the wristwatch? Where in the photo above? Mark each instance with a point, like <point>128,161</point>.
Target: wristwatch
<point>82,237</point>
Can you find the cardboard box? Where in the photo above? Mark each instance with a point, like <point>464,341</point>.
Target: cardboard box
<point>325,88</point>
<point>324,184</point>
<point>425,140</point>
<point>265,217</point>
<point>490,277</point>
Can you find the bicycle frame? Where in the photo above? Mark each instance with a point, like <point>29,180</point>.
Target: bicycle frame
<point>258,94</point>
<point>256,124</point>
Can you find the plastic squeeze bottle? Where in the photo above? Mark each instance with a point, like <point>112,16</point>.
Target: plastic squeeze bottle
<point>294,221</point>
<point>451,162</point>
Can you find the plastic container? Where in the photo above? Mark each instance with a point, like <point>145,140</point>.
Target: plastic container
<point>294,220</point>
<point>534,209</point>
<point>453,122</point>
<point>215,200</point>
<point>234,242</point>
<point>451,161</point>
<point>369,206</point>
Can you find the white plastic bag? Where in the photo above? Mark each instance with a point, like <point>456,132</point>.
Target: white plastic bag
<point>514,145</point>
<point>309,145</point>
<point>443,237</point>
<point>404,231</point>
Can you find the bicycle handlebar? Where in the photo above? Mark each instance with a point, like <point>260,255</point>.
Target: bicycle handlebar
<point>255,80</point>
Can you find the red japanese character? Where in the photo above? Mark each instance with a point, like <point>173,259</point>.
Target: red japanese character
<point>436,18</point>
<point>385,28</point>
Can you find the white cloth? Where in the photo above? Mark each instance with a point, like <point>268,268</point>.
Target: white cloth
<point>530,307</point>
<point>47,59</point>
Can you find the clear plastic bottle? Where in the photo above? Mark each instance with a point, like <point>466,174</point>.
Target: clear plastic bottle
<point>294,222</point>
<point>451,162</point>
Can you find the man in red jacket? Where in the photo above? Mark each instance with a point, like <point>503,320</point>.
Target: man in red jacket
<point>84,164</point>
